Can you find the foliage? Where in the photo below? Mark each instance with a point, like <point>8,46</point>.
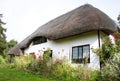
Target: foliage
<point>9,45</point>
<point>21,62</point>
<point>2,61</point>
<point>4,45</point>
<point>110,56</point>
<point>112,69</point>
<point>58,69</point>
<point>40,65</point>
<point>118,18</point>
<point>2,38</point>
<point>61,70</point>
<point>2,30</point>
<point>106,51</point>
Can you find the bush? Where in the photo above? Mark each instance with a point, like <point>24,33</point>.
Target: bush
<point>106,51</point>
<point>111,71</point>
<point>21,62</point>
<point>110,57</point>
<point>61,70</point>
<point>41,64</point>
<point>86,74</point>
<point>2,60</point>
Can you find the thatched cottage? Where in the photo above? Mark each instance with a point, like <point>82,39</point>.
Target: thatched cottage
<point>71,35</point>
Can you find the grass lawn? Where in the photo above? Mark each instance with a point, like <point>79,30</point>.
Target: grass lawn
<point>7,74</point>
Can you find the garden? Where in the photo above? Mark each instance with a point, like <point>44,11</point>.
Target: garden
<point>26,68</point>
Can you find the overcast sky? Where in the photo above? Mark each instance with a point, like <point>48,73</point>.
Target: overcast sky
<point>24,16</point>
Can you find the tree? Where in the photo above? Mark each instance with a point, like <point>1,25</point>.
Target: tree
<point>2,38</point>
<point>118,18</point>
<point>10,44</point>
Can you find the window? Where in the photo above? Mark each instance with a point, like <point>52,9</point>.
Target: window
<point>39,40</point>
<point>81,54</point>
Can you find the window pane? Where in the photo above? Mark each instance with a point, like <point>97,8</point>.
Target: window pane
<point>85,51</point>
<point>75,53</point>
<point>80,52</point>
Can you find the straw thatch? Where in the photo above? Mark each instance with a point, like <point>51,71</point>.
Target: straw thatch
<point>15,51</point>
<point>83,19</point>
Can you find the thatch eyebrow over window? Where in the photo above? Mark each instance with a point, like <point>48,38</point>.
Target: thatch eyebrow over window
<point>39,40</point>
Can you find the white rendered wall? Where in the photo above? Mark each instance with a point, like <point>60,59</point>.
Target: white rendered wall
<point>63,47</point>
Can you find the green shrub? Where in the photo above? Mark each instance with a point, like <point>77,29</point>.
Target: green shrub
<point>2,60</point>
<point>86,74</point>
<point>41,65</point>
<point>111,71</point>
<point>58,69</point>
<point>106,51</point>
<point>21,62</point>
<point>110,57</point>
<point>63,71</point>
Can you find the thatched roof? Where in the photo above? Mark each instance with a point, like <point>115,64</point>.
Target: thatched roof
<point>83,19</point>
<point>15,51</point>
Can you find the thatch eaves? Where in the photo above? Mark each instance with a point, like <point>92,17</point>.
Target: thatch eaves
<point>15,50</point>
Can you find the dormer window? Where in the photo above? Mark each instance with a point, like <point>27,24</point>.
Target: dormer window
<point>39,40</point>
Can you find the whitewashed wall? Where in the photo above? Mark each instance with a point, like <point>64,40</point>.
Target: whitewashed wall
<point>63,47</point>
